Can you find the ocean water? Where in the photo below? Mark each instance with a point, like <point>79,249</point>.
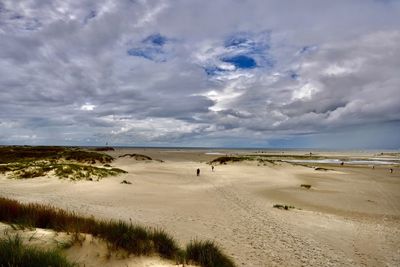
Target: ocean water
<point>348,162</point>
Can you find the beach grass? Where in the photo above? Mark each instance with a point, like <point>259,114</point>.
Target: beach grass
<point>207,254</point>
<point>137,156</point>
<point>67,170</point>
<point>12,154</point>
<point>14,253</point>
<point>283,206</point>
<point>135,239</point>
<point>231,159</point>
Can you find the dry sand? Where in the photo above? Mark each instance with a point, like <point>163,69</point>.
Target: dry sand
<point>350,216</point>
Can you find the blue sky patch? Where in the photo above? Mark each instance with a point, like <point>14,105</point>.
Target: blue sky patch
<point>155,39</point>
<point>241,61</point>
<point>151,48</point>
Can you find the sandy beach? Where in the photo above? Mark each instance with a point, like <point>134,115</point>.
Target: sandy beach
<point>349,217</point>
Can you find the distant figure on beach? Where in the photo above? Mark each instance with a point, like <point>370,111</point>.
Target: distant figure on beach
<point>198,172</point>
<point>391,170</point>
<point>212,167</point>
<point>373,167</point>
<point>342,163</point>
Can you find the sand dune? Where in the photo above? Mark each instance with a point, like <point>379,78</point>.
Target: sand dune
<point>88,251</point>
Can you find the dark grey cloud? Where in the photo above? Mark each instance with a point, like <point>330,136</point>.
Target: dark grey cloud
<point>225,72</point>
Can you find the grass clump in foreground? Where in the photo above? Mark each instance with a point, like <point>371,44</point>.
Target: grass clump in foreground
<point>135,239</point>
<point>14,253</point>
<point>207,254</point>
<point>283,207</point>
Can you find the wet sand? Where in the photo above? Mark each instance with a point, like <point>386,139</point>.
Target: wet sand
<point>349,217</point>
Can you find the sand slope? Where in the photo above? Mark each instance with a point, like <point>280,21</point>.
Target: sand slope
<point>87,251</point>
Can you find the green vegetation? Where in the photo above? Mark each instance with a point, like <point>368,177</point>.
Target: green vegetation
<point>264,158</point>
<point>71,163</point>
<point>283,207</point>
<point>11,154</point>
<point>226,159</point>
<point>321,169</point>
<point>23,170</point>
<point>137,156</point>
<point>86,156</point>
<point>207,254</point>
<point>14,253</point>
<point>106,148</point>
<point>135,239</point>
<point>307,186</point>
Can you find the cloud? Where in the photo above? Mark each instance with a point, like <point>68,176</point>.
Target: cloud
<point>179,73</point>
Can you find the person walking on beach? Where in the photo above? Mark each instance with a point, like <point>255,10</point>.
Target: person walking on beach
<point>212,167</point>
<point>391,170</point>
<point>198,172</point>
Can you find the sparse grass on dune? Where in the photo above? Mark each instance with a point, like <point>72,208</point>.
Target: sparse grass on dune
<point>10,154</point>
<point>321,169</point>
<point>106,148</point>
<point>226,159</point>
<point>283,207</point>
<point>136,156</point>
<point>71,171</point>
<point>261,158</point>
<point>86,156</point>
<point>13,253</point>
<point>135,239</point>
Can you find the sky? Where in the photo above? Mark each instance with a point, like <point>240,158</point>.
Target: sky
<point>221,73</point>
